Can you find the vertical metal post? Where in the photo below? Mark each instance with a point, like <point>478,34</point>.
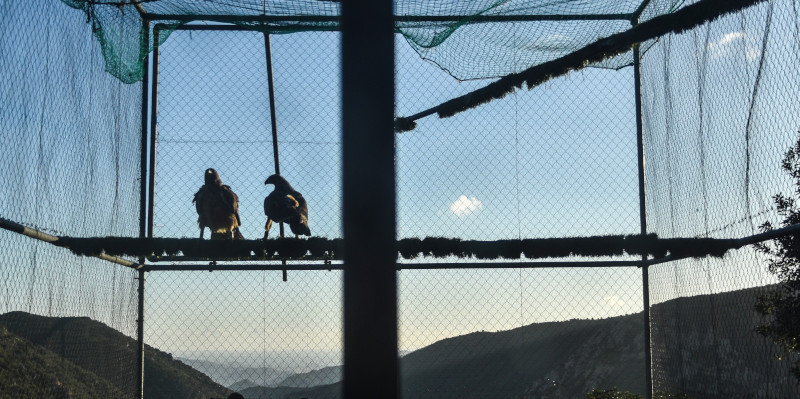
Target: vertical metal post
<point>153,136</point>
<point>643,220</point>
<point>143,154</point>
<point>370,281</point>
<point>144,50</point>
<point>272,115</point>
<point>273,121</point>
<point>140,339</point>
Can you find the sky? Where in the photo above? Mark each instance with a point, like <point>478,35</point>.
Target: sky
<point>555,161</point>
<point>526,166</point>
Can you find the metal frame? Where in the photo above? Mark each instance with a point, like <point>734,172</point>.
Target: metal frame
<point>370,311</point>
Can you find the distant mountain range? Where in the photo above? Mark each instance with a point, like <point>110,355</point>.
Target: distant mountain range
<point>238,377</point>
<point>563,359</point>
<point>79,357</point>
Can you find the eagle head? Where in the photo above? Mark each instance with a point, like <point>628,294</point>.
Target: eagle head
<point>278,181</point>
<point>212,177</point>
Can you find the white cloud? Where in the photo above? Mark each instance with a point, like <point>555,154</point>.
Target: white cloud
<point>614,300</point>
<point>464,206</point>
<point>722,47</point>
<point>730,37</point>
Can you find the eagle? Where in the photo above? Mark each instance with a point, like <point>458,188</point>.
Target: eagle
<point>217,208</point>
<point>285,205</point>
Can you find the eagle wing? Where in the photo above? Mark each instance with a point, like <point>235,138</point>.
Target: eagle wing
<point>231,202</point>
<point>299,221</point>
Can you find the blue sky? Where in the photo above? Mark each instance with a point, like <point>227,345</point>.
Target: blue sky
<point>525,166</point>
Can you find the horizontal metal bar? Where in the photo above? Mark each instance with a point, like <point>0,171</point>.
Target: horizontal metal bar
<point>231,259</point>
<point>42,236</point>
<point>243,267</point>
<point>518,265</point>
<point>245,28</point>
<point>749,240</point>
<point>27,231</point>
<point>398,18</point>
<point>400,266</point>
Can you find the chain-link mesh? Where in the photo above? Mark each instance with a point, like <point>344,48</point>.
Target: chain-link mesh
<point>720,109</point>
<point>509,171</point>
<point>231,131</point>
<point>560,160</point>
<point>70,137</point>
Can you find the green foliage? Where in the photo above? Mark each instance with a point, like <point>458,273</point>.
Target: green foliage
<point>666,395</point>
<point>782,304</point>
<point>612,393</point>
<point>615,393</point>
<point>29,370</point>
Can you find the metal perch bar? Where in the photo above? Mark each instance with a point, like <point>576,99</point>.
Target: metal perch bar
<point>326,265</point>
<point>400,266</point>
<point>42,236</point>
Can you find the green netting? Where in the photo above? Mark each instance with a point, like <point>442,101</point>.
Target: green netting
<point>468,39</point>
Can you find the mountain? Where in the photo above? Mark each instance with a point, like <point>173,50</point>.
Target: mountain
<point>29,370</point>
<point>713,345</point>
<point>323,376</point>
<point>530,360</point>
<point>239,386</point>
<point>233,375</point>
<point>573,356</point>
<point>705,340</point>
<point>108,354</point>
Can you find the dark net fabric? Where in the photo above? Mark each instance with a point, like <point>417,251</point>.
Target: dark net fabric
<point>442,32</point>
<point>720,110</point>
<point>70,166</point>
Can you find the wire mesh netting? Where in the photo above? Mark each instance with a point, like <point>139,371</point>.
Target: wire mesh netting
<point>443,33</point>
<point>720,112</point>
<point>70,166</point>
<point>253,332</point>
<point>559,160</point>
<point>281,339</point>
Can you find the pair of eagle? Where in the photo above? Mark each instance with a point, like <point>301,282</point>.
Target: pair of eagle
<point>218,208</point>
